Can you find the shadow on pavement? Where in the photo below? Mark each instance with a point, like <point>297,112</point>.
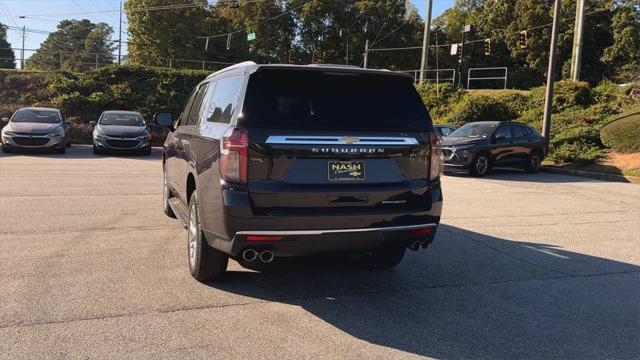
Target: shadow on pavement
<point>513,174</point>
<point>83,152</point>
<point>469,296</point>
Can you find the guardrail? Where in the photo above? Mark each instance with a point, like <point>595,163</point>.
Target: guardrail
<point>503,77</point>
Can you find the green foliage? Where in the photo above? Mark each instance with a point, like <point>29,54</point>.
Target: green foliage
<point>625,27</point>
<point>478,108</point>
<point>74,46</point>
<point>623,134</point>
<point>7,56</point>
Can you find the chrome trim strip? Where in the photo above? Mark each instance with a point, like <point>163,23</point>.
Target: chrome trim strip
<point>340,140</point>
<point>337,231</point>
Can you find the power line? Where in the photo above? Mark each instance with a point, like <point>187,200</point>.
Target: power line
<point>248,27</point>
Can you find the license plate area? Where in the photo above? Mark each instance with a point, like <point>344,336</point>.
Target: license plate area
<point>345,170</point>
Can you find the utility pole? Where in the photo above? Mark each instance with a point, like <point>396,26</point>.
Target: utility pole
<point>425,41</point>
<point>24,35</point>
<point>577,42</point>
<point>551,76</point>
<point>366,53</point>
<point>120,37</point>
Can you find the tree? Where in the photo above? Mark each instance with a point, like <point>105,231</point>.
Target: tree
<point>624,51</point>
<point>7,57</point>
<point>76,45</point>
<point>157,36</point>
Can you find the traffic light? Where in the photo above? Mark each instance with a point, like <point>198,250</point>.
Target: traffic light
<point>522,39</point>
<point>291,59</point>
<point>487,47</point>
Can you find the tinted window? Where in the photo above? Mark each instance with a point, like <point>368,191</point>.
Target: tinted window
<point>197,104</point>
<point>503,131</point>
<point>527,130</point>
<point>126,119</point>
<point>333,100</point>
<point>36,116</point>
<point>185,113</point>
<point>222,100</point>
<point>516,130</point>
<point>477,130</point>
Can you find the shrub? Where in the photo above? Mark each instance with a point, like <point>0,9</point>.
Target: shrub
<point>575,143</point>
<point>623,134</point>
<point>517,103</point>
<point>478,108</point>
<point>575,153</point>
<point>566,94</point>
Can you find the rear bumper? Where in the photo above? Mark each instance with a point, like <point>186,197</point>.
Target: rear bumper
<point>307,233</point>
<point>305,242</point>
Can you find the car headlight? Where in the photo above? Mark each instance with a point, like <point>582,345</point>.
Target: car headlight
<point>56,133</point>
<point>145,137</point>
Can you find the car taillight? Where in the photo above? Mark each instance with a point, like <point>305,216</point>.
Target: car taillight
<point>436,161</point>
<point>233,156</point>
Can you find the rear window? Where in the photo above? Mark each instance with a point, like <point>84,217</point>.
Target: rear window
<point>332,100</point>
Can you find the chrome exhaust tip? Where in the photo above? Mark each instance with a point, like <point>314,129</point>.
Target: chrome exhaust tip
<point>416,245</point>
<point>249,255</point>
<point>266,256</point>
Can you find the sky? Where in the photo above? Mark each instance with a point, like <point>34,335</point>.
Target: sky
<point>11,10</point>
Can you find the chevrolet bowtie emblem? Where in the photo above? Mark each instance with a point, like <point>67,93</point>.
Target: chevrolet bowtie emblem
<point>349,140</point>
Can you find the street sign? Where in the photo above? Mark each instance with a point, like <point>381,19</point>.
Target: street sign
<point>251,36</point>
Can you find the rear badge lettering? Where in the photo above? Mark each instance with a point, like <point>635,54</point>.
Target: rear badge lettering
<point>348,150</point>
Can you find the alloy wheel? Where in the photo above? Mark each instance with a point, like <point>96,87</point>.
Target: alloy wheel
<point>193,235</point>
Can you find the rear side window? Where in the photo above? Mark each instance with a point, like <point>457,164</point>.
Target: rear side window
<point>516,130</point>
<point>222,100</point>
<point>503,132</point>
<point>197,104</point>
<point>333,100</point>
<point>527,130</point>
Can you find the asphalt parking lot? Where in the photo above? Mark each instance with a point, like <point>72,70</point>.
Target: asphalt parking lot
<point>524,266</point>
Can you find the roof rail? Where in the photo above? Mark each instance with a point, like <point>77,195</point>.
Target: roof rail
<point>234,66</point>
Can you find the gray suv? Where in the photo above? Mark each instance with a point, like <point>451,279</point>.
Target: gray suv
<point>35,128</point>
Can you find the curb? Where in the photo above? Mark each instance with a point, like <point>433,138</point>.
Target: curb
<point>593,175</point>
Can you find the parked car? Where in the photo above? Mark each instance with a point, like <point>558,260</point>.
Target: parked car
<point>479,146</point>
<point>270,161</point>
<point>34,128</point>
<point>444,130</point>
<point>121,131</point>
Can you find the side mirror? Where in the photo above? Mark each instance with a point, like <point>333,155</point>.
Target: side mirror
<point>5,120</point>
<point>164,119</point>
<point>499,137</point>
<point>93,123</point>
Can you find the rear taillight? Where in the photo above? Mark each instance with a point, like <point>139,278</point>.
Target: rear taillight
<point>435,162</point>
<point>233,157</point>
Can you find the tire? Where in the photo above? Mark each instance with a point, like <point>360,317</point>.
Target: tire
<point>166,195</point>
<point>205,262</point>
<point>384,257</point>
<point>62,150</point>
<point>69,143</point>
<point>534,162</point>
<point>147,152</point>
<point>96,151</point>
<point>6,150</point>
<point>481,165</point>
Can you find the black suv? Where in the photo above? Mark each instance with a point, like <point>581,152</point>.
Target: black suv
<point>481,145</point>
<point>271,161</point>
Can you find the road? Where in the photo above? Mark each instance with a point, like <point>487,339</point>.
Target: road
<point>524,266</point>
